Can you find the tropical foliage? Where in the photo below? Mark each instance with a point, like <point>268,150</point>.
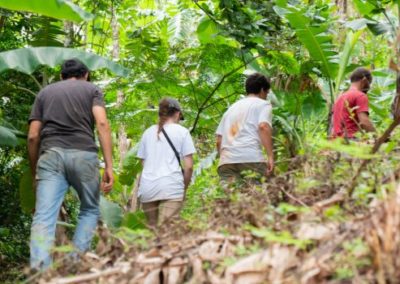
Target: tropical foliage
<point>198,52</point>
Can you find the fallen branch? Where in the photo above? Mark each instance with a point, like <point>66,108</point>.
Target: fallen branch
<point>292,197</point>
<point>90,276</point>
<point>334,199</point>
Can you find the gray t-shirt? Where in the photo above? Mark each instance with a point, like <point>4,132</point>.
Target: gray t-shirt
<point>65,110</point>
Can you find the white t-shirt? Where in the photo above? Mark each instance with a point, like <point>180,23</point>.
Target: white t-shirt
<point>239,130</point>
<point>162,177</point>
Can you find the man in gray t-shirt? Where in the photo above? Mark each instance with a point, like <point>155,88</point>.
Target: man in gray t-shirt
<point>63,153</point>
<point>65,110</point>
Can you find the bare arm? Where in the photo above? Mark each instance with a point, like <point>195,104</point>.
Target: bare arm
<point>219,141</point>
<point>265,132</point>
<point>104,131</point>
<point>187,170</point>
<point>365,122</point>
<point>33,144</point>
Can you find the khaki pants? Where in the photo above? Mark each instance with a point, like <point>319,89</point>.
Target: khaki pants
<point>233,172</point>
<point>161,211</point>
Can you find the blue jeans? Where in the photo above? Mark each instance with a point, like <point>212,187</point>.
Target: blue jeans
<point>57,169</point>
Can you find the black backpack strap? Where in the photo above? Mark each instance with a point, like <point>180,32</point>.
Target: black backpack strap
<point>173,147</point>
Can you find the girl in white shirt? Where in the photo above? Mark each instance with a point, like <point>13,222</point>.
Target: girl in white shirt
<point>164,181</point>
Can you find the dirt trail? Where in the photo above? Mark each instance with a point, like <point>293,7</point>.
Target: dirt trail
<point>250,239</point>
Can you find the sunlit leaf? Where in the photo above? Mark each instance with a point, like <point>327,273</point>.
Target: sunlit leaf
<point>59,9</point>
<point>27,60</point>
<point>356,150</point>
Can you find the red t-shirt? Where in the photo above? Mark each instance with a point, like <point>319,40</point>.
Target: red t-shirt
<point>345,111</point>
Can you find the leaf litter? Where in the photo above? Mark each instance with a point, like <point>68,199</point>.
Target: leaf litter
<point>273,233</point>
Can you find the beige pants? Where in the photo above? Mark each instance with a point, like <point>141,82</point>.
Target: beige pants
<point>233,172</point>
<point>161,211</point>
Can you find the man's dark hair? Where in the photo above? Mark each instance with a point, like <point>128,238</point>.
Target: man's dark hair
<point>73,68</point>
<point>359,74</point>
<point>255,82</point>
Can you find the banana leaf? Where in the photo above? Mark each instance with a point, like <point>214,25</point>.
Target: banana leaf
<point>58,9</point>
<point>27,60</point>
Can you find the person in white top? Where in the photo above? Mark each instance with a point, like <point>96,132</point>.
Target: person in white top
<point>246,128</point>
<point>164,181</point>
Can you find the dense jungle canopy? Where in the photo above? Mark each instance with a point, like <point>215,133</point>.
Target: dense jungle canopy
<point>329,214</point>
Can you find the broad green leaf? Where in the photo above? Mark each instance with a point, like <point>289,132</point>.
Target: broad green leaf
<point>283,237</point>
<point>345,56</point>
<point>64,249</point>
<point>365,7</point>
<point>378,109</point>
<point>358,24</point>
<point>26,192</point>
<point>7,137</point>
<point>134,220</point>
<point>289,129</point>
<point>209,32</point>
<point>49,32</point>
<point>356,150</point>
<point>378,28</point>
<point>111,213</point>
<point>66,225</point>
<point>286,61</point>
<point>131,166</point>
<point>27,60</point>
<point>281,3</point>
<point>369,8</point>
<point>59,9</point>
<point>314,37</point>
<point>286,208</point>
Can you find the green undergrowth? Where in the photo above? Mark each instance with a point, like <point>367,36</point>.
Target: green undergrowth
<point>199,198</point>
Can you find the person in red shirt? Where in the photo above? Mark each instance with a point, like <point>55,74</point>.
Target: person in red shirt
<point>350,111</point>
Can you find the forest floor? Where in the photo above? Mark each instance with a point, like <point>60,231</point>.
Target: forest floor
<point>300,226</point>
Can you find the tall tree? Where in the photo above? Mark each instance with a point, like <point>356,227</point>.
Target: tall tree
<point>122,136</point>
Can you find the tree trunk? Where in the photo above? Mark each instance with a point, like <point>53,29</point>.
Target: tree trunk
<point>342,9</point>
<point>69,33</point>
<point>122,137</point>
<point>2,23</point>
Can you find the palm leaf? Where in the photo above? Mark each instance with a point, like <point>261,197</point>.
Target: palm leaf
<point>314,36</point>
<point>7,137</point>
<point>351,40</point>
<point>27,60</point>
<point>48,32</point>
<point>181,26</point>
<point>59,9</point>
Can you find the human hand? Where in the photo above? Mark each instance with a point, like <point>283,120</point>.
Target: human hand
<point>107,180</point>
<point>270,166</point>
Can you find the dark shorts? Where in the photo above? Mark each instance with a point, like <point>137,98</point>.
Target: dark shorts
<point>232,172</point>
